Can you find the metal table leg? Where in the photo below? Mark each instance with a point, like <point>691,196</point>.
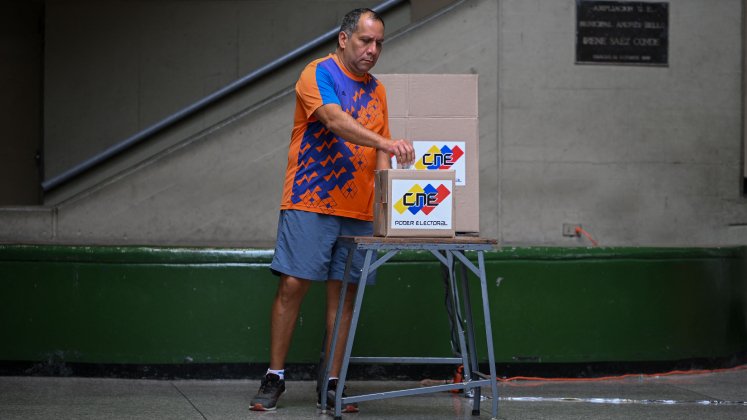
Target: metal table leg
<point>480,272</point>
<point>454,292</point>
<point>477,392</point>
<point>488,332</point>
<point>327,360</point>
<point>351,333</point>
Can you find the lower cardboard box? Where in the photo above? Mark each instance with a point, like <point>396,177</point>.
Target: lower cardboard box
<point>411,203</point>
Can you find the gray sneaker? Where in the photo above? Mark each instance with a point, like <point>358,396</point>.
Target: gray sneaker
<point>269,392</point>
<point>331,390</point>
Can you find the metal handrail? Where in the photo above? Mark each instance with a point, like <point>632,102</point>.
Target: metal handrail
<point>131,141</point>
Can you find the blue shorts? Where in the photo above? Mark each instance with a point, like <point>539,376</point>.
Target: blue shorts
<point>307,247</point>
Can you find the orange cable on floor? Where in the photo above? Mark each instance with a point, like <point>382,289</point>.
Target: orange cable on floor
<point>627,375</point>
<point>579,231</point>
<point>458,376</point>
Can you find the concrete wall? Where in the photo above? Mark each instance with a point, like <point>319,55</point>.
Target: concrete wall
<point>223,185</point>
<point>638,156</point>
<point>114,68</point>
<point>21,32</point>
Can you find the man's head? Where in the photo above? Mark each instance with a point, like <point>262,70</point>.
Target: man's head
<point>359,40</point>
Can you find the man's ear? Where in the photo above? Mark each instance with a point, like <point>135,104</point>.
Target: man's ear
<point>342,39</point>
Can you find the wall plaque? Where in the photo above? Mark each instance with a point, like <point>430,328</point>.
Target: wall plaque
<point>622,32</point>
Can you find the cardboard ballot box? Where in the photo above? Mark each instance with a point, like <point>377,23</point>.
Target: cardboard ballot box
<point>414,203</point>
<point>439,113</point>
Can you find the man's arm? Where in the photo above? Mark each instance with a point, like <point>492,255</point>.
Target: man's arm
<point>345,126</point>
<point>383,161</point>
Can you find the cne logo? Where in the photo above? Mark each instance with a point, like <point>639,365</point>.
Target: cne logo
<point>439,159</point>
<point>424,199</point>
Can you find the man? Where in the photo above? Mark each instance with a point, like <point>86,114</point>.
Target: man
<point>340,136</point>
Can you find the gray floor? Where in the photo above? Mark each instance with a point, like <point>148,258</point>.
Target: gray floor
<point>694,396</point>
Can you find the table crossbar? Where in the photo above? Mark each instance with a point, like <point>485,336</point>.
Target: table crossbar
<point>407,360</point>
<point>417,391</point>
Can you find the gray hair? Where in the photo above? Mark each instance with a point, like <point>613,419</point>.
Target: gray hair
<point>350,21</point>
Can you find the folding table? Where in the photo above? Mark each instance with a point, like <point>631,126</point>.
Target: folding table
<point>447,251</point>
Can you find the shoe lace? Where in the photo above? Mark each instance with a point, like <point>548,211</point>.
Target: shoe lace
<point>268,384</point>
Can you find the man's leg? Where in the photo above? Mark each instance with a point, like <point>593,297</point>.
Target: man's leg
<point>334,288</point>
<point>340,254</point>
<point>288,299</point>
<point>285,308</point>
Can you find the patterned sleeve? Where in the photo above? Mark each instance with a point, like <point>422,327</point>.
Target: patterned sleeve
<point>315,88</point>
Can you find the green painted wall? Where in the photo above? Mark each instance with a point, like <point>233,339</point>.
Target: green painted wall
<point>136,305</point>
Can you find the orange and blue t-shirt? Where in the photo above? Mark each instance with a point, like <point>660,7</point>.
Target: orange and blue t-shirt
<point>325,173</point>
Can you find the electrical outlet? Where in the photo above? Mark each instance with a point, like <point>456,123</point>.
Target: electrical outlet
<point>569,229</point>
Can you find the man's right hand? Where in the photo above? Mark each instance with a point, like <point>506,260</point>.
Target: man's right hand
<point>402,150</point>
